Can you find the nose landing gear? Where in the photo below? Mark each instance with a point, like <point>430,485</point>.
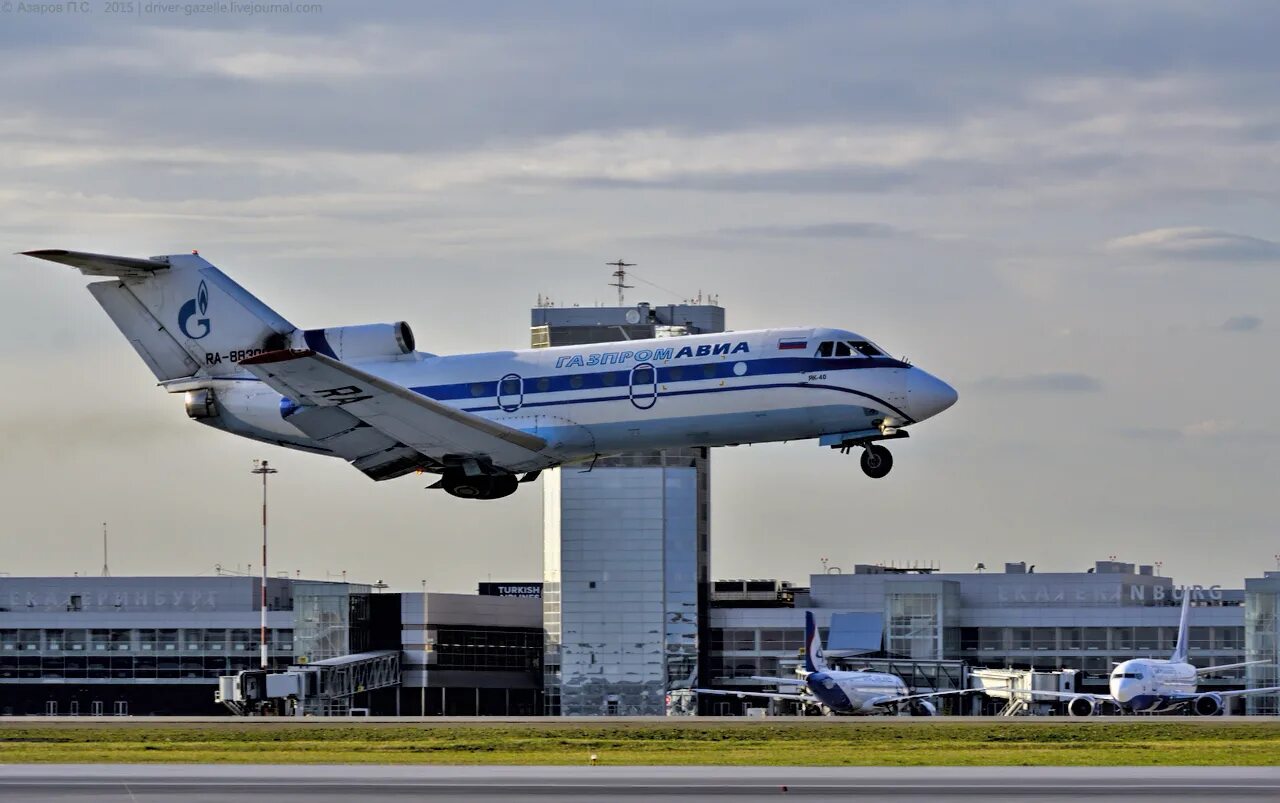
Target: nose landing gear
<point>876,461</point>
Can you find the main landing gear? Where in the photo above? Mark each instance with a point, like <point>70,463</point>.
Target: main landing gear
<point>876,461</point>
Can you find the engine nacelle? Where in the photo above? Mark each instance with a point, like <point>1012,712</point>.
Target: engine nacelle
<point>363,342</point>
<point>924,708</point>
<point>1207,705</point>
<point>1081,707</point>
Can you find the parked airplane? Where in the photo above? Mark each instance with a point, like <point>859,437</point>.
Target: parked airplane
<point>363,393</point>
<point>843,692</point>
<point>1159,686</point>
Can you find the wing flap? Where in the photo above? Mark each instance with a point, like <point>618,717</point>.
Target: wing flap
<point>402,416</point>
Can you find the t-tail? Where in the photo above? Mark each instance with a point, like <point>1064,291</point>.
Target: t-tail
<point>1180,651</point>
<point>183,316</point>
<point>813,660</point>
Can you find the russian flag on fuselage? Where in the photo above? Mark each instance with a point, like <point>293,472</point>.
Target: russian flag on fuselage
<point>788,343</point>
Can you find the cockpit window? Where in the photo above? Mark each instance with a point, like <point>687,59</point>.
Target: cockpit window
<point>848,348</point>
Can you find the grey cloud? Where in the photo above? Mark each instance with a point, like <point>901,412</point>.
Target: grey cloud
<point>1041,383</point>
<point>1242,323</point>
<point>836,230</point>
<point>1197,244</point>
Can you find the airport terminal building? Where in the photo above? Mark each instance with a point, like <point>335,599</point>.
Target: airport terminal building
<point>157,645</point>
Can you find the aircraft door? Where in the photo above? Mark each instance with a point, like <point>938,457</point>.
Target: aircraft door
<point>510,392</point>
<point>644,385</point>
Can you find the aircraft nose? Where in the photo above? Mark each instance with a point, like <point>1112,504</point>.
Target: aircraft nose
<point>927,395</point>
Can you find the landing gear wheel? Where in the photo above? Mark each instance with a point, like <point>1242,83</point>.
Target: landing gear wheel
<point>876,461</point>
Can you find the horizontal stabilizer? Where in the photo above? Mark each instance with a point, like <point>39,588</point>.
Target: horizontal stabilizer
<point>103,264</point>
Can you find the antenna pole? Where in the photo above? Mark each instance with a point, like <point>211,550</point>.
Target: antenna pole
<point>105,571</point>
<point>261,467</point>
<point>620,279</point>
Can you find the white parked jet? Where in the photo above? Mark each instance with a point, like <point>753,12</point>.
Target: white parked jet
<point>843,692</point>
<point>480,421</point>
<point>1159,686</point>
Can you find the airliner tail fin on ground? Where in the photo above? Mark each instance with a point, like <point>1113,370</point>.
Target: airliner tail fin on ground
<point>1180,651</point>
<point>813,660</point>
<point>182,315</point>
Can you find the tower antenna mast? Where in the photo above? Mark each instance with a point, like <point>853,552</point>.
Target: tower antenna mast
<point>620,278</point>
<point>105,571</point>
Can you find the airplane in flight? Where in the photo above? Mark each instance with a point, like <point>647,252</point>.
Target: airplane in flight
<point>855,692</point>
<point>1158,685</point>
<point>489,421</point>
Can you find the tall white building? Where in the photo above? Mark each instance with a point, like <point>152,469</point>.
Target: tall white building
<point>626,555</point>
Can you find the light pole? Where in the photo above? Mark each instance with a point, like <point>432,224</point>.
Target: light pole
<point>261,467</point>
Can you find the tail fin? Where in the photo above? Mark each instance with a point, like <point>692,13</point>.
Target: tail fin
<point>813,660</point>
<point>182,315</point>
<point>1180,651</point>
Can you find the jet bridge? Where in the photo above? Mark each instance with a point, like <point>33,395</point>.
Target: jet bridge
<point>1018,687</point>
<point>321,688</point>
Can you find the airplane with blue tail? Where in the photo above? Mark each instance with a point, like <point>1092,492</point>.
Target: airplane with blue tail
<point>843,692</point>
<point>484,423</point>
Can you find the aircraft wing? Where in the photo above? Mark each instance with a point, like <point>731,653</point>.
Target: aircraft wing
<point>405,418</point>
<point>765,694</point>
<point>921,696</point>
<point>1247,692</point>
<point>1209,670</point>
<point>780,681</point>
<point>1061,695</point>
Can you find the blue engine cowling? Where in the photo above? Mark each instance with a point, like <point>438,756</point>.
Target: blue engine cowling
<point>1207,705</point>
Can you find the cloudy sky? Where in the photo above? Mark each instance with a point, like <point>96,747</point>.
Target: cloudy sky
<point>1068,210</point>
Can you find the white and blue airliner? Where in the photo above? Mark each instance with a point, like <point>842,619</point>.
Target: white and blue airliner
<point>486,422</point>
<point>855,692</point>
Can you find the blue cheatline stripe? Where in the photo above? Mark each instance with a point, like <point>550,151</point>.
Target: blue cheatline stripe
<point>317,342</point>
<point>667,375</point>
<point>597,399</point>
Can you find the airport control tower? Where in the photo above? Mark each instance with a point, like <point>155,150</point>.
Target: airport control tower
<point>626,547</point>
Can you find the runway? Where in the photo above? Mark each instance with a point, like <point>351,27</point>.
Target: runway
<point>42,783</point>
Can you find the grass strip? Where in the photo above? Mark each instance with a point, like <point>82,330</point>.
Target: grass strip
<point>845,743</point>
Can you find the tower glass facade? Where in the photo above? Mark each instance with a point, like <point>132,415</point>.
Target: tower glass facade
<point>626,557</point>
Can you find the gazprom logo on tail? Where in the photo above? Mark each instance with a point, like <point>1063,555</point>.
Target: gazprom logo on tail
<point>189,309</point>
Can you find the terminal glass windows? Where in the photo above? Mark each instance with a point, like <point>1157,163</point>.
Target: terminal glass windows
<point>1122,638</point>
<point>1021,639</point>
<point>1069,638</point>
<point>740,640</point>
<point>8,640</point>
<point>991,638</point>
<point>788,639</point>
<point>1146,638</point>
<point>1095,638</point>
<point>54,639</point>
<point>167,640</point>
<point>1044,638</point>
